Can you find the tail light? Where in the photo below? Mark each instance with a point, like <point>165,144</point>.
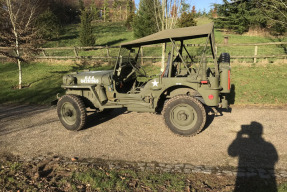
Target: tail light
<point>229,80</point>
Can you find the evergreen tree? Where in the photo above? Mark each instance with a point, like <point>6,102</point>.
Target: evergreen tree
<point>48,25</point>
<point>186,20</point>
<point>81,5</point>
<point>86,31</point>
<point>242,15</point>
<point>274,15</point>
<point>130,13</point>
<point>106,10</point>
<point>145,21</point>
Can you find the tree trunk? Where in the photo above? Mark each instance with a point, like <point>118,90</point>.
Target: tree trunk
<point>20,73</point>
<point>164,44</point>
<point>17,49</point>
<point>104,14</point>
<point>18,61</point>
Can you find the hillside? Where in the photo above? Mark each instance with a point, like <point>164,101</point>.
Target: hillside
<point>111,34</point>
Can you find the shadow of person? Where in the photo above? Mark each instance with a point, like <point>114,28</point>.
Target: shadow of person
<point>257,157</point>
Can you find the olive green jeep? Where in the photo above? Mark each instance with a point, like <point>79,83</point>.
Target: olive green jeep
<point>179,93</point>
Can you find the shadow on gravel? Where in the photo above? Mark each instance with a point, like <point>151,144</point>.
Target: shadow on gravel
<point>8,112</point>
<point>255,155</point>
<point>11,113</point>
<point>210,117</point>
<point>98,118</point>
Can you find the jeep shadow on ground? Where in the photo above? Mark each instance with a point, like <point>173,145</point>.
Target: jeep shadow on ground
<point>96,118</point>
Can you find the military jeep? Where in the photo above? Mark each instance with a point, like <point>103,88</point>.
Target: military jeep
<point>179,93</point>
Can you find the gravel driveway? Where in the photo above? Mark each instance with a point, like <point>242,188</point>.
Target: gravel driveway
<point>30,131</point>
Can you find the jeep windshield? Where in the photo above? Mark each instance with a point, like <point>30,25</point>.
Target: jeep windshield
<point>128,55</point>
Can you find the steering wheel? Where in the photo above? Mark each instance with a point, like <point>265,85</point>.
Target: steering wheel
<point>140,70</point>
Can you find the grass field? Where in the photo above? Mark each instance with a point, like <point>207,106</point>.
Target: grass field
<point>253,84</point>
<point>41,81</point>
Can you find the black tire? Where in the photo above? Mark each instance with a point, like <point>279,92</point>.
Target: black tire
<point>72,112</point>
<point>184,115</point>
<point>224,58</point>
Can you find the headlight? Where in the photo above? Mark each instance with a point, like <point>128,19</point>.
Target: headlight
<point>69,80</point>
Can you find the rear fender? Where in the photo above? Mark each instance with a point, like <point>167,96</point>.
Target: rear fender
<point>173,91</point>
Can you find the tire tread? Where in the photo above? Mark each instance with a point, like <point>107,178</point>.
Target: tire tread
<point>78,101</point>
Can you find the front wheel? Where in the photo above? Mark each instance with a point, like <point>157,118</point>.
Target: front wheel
<point>184,115</point>
<point>72,112</point>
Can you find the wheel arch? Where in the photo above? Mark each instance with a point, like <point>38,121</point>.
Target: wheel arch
<point>173,91</point>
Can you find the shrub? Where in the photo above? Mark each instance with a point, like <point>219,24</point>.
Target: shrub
<point>186,20</point>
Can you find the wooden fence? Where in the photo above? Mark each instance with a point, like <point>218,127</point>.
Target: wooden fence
<point>76,56</point>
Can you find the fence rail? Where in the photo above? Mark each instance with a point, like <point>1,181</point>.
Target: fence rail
<point>107,55</point>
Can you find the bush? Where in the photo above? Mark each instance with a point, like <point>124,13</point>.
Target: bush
<point>186,20</point>
<point>129,20</point>
<point>48,25</point>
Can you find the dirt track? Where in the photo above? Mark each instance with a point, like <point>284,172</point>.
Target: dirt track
<point>31,131</point>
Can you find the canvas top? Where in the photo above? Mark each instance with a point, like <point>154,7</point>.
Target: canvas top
<point>174,34</point>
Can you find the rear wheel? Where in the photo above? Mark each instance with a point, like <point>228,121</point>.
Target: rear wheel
<point>184,115</point>
<point>72,112</point>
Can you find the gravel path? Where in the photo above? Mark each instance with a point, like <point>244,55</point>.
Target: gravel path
<point>30,131</point>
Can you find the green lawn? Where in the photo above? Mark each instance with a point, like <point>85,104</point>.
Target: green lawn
<point>253,84</point>
<point>42,82</point>
<point>260,84</point>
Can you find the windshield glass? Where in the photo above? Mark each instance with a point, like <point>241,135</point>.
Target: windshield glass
<point>127,55</point>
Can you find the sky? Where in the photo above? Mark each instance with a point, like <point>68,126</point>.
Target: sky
<point>199,4</point>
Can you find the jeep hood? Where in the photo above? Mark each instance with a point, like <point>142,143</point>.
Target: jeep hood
<point>90,77</point>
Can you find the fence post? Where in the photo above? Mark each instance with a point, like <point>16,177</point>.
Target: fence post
<point>76,52</point>
<point>44,53</point>
<point>255,54</point>
<point>108,54</point>
<point>226,40</point>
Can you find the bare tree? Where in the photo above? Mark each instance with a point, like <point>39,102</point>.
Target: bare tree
<point>166,16</point>
<point>19,30</point>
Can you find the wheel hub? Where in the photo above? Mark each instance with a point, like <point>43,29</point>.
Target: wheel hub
<point>69,113</point>
<point>182,116</point>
